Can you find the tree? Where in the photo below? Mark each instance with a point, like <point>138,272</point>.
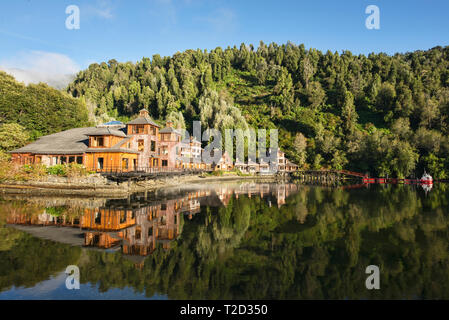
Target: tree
<point>348,112</point>
<point>300,146</point>
<point>12,136</point>
<point>307,70</point>
<point>178,119</point>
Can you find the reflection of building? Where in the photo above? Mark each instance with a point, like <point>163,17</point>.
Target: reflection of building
<point>138,226</point>
<point>279,192</point>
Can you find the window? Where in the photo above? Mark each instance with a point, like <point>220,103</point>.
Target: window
<point>163,206</point>
<point>98,141</point>
<point>100,162</point>
<point>63,160</point>
<point>79,160</point>
<point>140,128</point>
<point>141,145</point>
<point>153,145</point>
<point>71,159</point>
<point>97,218</point>
<point>154,131</point>
<point>125,163</point>
<point>165,163</point>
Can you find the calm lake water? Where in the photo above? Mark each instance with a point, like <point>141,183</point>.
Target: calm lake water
<point>230,241</point>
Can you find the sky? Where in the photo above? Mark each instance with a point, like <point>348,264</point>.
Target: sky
<point>55,288</point>
<point>36,44</point>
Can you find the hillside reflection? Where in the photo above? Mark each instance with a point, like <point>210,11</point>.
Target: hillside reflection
<point>237,241</point>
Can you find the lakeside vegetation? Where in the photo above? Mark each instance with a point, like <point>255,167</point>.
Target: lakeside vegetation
<point>386,115</point>
<point>33,172</point>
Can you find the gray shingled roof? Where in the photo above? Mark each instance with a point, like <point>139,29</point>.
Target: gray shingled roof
<point>169,130</point>
<point>102,131</point>
<point>73,141</point>
<point>143,120</point>
<point>92,150</point>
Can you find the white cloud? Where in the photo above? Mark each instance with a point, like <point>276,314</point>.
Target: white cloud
<point>52,68</point>
<point>102,9</point>
<point>165,12</point>
<point>222,19</point>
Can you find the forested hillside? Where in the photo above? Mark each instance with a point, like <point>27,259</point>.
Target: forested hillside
<point>382,114</point>
<point>28,112</point>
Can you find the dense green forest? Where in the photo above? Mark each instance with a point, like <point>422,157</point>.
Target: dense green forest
<point>382,114</point>
<point>28,112</point>
<point>386,115</point>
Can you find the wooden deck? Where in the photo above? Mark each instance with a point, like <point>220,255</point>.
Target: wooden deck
<point>329,174</point>
<point>147,173</point>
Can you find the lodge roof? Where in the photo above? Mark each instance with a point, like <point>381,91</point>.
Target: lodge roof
<point>105,131</point>
<point>169,130</point>
<point>72,141</point>
<point>289,163</point>
<point>144,120</point>
<point>123,150</point>
<point>240,163</point>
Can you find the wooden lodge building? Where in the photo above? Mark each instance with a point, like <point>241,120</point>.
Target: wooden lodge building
<point>138,145</point>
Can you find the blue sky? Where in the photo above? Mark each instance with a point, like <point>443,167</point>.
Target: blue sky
<point>33,35</point>
<point>54,288</point>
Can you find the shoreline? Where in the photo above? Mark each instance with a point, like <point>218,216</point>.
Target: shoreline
<point>108,189</point>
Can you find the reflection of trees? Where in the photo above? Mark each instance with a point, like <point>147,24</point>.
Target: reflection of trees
<point>251,250</point>
<point>315,246</point>
<point>31,260</point>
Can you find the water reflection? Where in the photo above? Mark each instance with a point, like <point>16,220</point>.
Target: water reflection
<point>137,225</point>
<point>235,241</point>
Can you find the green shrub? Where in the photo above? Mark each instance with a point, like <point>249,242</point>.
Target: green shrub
<point>55,211</point>
<point>57,170</point>
<point>217,173</point>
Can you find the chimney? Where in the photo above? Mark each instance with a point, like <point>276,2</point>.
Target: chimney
<point>169,124</point>
<point>144,113</point>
